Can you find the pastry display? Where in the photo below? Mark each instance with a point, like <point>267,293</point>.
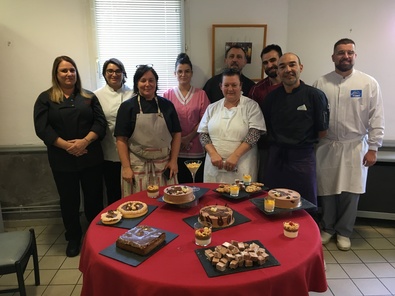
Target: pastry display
<point>223,188</point>
<point>141,239</point>
<point>251,188</point>
<point>111,217</point>
<point>153,191</point>
<point>291,229</point>
<point>236,254</point>
<point>285,198</point>
<point>178,194</point>
<point>218,216</point>
<point>133,209</point>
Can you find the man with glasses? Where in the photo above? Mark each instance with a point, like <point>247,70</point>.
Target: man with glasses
<point>235,58</point>
<point>356,131</point>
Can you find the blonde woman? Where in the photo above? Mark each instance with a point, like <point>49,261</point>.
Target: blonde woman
<point>71,123</point>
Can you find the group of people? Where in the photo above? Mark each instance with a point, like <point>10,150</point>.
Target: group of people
<point>316,140</point>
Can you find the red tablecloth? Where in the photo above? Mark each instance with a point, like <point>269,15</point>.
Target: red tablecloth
<point>176,270</point>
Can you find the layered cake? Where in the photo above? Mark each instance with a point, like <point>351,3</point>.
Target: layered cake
<point>153,191</point>
<point>178,194</point>
<point>218,216</point>
<point>133,209</point>
<point>141,239</point>
<point>111,217</point>
<point>291,229</point>
<point>285,198</point>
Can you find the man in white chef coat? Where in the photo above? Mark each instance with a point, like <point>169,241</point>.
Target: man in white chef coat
<point>356,130</point>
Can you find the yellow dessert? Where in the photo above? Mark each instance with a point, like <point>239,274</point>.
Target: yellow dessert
<point>269,204</point>
<point>247,179</point>
<point>193,167</point>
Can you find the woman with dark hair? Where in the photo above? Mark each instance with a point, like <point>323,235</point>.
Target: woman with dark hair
<point>148,135</point>
<point>111,96</point>
<point>229,131</point>
<point>190,103</point>
<point>71,123</point>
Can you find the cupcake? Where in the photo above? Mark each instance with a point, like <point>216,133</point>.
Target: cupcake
<point>153,191</point>
<point>291,229</point>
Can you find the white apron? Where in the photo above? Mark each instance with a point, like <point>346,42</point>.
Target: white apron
<point>340,167</point>
<point>227,130</point>
<point>149,148</point>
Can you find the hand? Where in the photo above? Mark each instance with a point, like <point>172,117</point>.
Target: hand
<point>230,163</point>
<point>77,147</point>
<point>173,166</point>
<point>185,143</point>
<point>216,160</point>
<point>127,174</point>
<point>370,158</point>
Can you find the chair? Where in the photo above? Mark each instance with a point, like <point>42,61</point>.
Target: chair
<point>16,247</point>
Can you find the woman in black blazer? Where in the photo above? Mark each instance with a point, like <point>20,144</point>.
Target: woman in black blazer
<point>71,123</point>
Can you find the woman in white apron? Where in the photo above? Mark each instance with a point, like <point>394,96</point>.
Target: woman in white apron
<point>229,131</point>
<point>148,135</point>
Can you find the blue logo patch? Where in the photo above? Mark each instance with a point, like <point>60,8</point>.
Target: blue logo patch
<point>356,93</point>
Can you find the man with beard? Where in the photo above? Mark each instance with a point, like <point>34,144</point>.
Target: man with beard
<point>235,58</point>
<point>356,131</point>
<point>269,56</point>
<point>296,116</point>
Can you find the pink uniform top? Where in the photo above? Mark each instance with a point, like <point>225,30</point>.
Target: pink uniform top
<point>190,110</point>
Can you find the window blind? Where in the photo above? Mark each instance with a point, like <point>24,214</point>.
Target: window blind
<point>140,32</point>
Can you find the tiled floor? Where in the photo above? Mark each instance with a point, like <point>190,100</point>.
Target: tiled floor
<point>367,269</point>
<point>59,275</point>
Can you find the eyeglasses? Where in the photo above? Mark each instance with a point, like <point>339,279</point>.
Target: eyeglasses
<point>111,71</point>
<point>146,65</point>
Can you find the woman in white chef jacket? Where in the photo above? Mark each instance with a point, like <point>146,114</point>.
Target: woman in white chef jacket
<point>229,131</point>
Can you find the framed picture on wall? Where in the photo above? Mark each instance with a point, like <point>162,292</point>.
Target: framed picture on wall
<point>251,37</point>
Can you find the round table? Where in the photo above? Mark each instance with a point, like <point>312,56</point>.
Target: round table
<point>176,270</point>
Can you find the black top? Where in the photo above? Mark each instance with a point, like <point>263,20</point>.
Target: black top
<point>126,117</point>
<point>71,119</point>
<point>214,92</point>
<point>294,119</point>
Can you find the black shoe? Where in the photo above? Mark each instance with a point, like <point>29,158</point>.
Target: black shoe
<point>73,248</point>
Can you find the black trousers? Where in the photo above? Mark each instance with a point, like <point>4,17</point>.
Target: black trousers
<point>112,180</point>
<point>90,180</point>
<point>184,175</point>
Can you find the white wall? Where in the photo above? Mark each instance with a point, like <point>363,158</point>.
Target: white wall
<point>202,14</point>
<point>315,25</point>
<point>34,32</point>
